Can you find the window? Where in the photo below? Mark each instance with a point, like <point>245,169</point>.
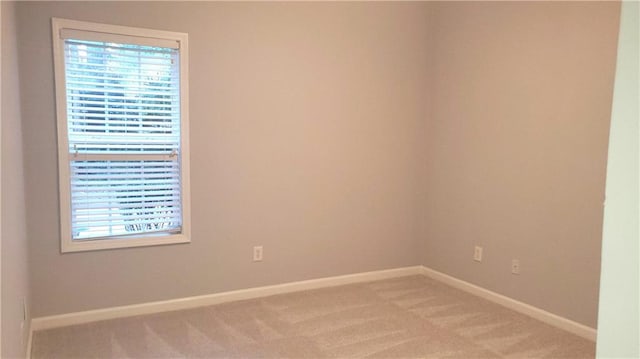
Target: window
<point>123,159</point>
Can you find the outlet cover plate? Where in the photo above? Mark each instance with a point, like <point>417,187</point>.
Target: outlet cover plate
<point>515,266</point>
<point>477,254</point>
<point>257,253</point>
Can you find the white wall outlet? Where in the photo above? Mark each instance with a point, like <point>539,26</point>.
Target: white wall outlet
<point>257,253</point>
<point>477,254</point>
<point>515,266</point>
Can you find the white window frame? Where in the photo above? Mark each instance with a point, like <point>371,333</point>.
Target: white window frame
<point>144,37</point>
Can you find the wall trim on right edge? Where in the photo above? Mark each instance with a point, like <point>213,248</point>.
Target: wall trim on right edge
<point>526,309</point>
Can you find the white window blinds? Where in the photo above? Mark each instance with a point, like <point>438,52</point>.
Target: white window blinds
<point>123,132</point>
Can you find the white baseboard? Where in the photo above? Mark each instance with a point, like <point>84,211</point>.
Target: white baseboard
<point>529,310</point>
<point>63,320</point>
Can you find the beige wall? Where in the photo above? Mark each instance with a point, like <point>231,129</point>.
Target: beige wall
<point>619,315</point>
<point>305,119</point>
<point>15,273</point>
<point>521,107</point>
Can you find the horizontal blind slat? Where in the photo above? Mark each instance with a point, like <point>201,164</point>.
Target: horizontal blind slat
<point>87,55</point>
<point>100,203</point>
<point>140,168</point>
<point>101,75</point>
<point>128,221</point>
<point>98,74</point>
<point>124,137</point>
<point>128,216</point>
<point>164,117</point>
<point>85,83</point>
<point>116,93</point>
<point>131,103</point>
<point>119,100</point>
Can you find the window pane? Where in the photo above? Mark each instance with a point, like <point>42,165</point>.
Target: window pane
<point>122,98</point>
<point>111,198</point>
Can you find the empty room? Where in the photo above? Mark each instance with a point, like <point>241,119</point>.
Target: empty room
<point>319,179</point>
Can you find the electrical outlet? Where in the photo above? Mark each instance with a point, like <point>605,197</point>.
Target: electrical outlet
<point>477,254</point>
<point>515,266</point>
<point>257,253</point>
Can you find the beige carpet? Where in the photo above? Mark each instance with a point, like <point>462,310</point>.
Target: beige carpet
<point>409,317</point>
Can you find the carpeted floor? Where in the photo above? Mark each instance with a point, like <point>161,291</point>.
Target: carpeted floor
<point>408,317</point>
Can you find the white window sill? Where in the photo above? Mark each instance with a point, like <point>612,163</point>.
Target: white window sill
<point>143,241</point>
